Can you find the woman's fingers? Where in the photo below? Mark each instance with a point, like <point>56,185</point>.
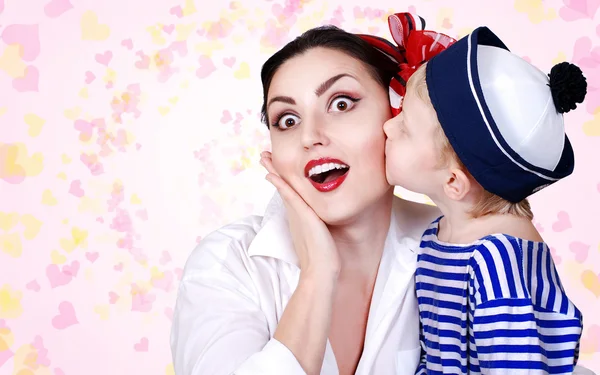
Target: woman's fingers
<point>287,193</point>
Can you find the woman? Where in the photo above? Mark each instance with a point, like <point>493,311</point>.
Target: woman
<point>323,283</point>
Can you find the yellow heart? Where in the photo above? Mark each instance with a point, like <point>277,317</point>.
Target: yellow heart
<point>592,127</point>
<point>243,72</point>
<point>83,93</point>
<point>188,8</point>
<point>67,245</point>
<point>65,221</point>
<point>174,100</point>
<point>10,303</point>
<point>48,199</point>
<point>72,114</point>
<point>32,226</point>
<point>164,110</point>
<point>111,76</point>
<point>6,339</point>
<point>207,48</point>
<point>8,220</point>
<point>62,176</point>
<point>591,282</point>
<point>103,311</point>
<point>10,244</point>
<point>185,84</point>
<point>238,39</point>
<point>35,124</point>
<point>65,159</point>
<point>57,258</point>
<point>156,34</point>
<point>11,62</point>
<point>79,237</point>
<point>3,110</point>
<point>135,199</point>
<point>535,10</point>
<point>91,29</point>
<point>170,370</point>
<point>184,31</point>
<point>559,58</point>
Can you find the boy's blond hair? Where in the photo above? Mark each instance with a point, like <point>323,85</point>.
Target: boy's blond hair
<point>488,203</point>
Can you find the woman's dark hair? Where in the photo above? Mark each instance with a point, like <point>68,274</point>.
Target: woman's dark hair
<point>379,65</point>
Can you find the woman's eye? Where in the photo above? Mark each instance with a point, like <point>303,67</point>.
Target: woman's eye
<point>342,104</point>
<point>287,121</point>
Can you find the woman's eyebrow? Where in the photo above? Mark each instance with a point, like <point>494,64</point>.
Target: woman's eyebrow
<point>283,99</point>
<point>327,84</point>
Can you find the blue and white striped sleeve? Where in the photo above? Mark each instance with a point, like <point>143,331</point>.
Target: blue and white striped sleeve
<point>523,322</point>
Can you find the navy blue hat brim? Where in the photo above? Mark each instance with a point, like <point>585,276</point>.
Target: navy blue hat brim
<point>456,95</point>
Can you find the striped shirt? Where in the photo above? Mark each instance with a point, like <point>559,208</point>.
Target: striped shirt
<point>495,306</point>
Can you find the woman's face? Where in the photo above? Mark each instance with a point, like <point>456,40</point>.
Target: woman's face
<point>326,115</point>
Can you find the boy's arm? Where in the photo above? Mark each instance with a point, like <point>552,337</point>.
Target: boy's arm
<point>516,327</point>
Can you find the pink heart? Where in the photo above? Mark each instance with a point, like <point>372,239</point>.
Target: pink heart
<point>56,277</point>
<point>58,371</point>
<point>113,297</point>
<point>446,23</point>
<point>578,9</point>
<point>5,355</point>
<point>104,58</point>
<point>201,32</point>
<point>178,272</point>
<point>91,256</point>
<point>198,239</point>
<point>180,47</point>
<point>27,36</point>
<point>165,258</point>
<point>555,257</point>
<point>207,67</point>
<point>142,302</point>
<point>141,346</point>
<point>57,7</point>
<point>144,62</point>
<point>1,10</point>
<point>76,189</point>
<point>72,269</point>
<point>100,220</point>
<point>33,285</point>
<point>66,316</point>
<point>128,43</point>
<point>229,61</point>
<point>29,82</point>
<point>89,77</point>
<point>563,222</point>
<point>169,313</point>
<point>598,187</point>
<point>168,28</point>
<point>538,226</point>
<point>176,11</point>
<point>580,250</point>
<point>226,117</point>
<point>165,282</point>
<point>118,267</point>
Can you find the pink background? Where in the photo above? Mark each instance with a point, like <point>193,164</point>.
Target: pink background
<point>129,129</point>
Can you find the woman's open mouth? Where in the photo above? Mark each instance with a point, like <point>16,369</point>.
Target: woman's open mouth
<point>326,174</point>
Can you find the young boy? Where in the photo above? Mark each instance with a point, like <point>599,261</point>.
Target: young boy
<point>480,130</point>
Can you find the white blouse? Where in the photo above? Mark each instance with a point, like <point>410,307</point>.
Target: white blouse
<point>238,281</point>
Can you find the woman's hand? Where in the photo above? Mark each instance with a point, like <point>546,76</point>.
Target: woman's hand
<point>305,323</point>
<point>312,240</point>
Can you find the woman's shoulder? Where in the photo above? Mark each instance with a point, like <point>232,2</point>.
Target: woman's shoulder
<point>226,247</point>
<point>413,218</point>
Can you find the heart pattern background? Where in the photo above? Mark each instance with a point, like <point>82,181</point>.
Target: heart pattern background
<point>128,133</point>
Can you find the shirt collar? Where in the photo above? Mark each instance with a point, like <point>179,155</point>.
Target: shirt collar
<point>274,239</point>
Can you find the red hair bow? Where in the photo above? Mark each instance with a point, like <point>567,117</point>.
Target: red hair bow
<point>415,46</point>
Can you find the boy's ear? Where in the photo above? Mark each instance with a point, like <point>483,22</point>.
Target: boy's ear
<point>457,184</point>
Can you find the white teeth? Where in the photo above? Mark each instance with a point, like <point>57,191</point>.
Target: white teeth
<point>325,168</point>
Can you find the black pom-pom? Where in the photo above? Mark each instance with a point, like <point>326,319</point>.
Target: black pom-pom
<point>568,86</point>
